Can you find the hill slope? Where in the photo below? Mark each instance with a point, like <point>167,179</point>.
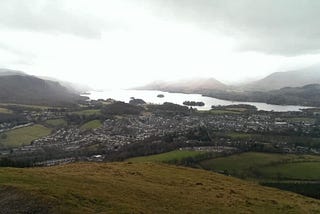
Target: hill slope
<point>27,89</point>
<point>139,188</point>
<point>73,87</point>
<point>280,80</point>
<point>308,95</point>
<point>9,72</point>
<point>187,86</point>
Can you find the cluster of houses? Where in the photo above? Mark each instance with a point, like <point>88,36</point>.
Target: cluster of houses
<point>30,117</point>
<point>120,131</point>
<point>44,115</point>
<point>258,123</point>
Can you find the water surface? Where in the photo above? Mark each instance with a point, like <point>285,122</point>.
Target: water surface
<point>178,98</point>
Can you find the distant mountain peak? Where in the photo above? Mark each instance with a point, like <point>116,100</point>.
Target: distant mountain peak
<point>186,85</point>
<point>294,78</point>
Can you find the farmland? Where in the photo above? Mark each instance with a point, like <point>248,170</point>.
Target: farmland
<point>273,166</point>
<point>56,122</point>
<point>168,157</point>
<point>23,136</point>
<point>289,172</point>
<point>293,171</point>
<point>91,125</point>
<point>88,112</point>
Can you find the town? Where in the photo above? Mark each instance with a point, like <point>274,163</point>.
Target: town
<point>154,129</point>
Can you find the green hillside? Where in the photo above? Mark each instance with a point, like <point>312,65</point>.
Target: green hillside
<point>139,188</point>
<point>26,89</point>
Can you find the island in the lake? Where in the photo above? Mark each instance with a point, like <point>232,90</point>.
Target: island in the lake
<point>160,95</point>
<point>193,103</point>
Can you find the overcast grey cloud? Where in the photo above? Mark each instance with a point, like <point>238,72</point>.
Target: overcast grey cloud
<point>48,17</point>
<point>288,27</point>
<point>109,43</point>
<point>284,27</point>
<point>15,51</point>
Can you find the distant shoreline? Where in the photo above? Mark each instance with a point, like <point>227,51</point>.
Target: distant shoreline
<point>150,96</point>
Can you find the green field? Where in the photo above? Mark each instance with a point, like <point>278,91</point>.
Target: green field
<point>218,111</point>
<point>239,135</point>
<point>237,109</point>
<point>310,189</point>
<point>267,166</point>
<point>94,124</point>
<point>293,171</point>
<point>88,112</point>
<point>56,122</point>
<point>297,173</point>
<point>173,156</point>
<point>301,119</point>
<point>139,188</point>
<point>241,162</point>
<point>5,111</point>
<point>37,107</point>
<point>23,136</point>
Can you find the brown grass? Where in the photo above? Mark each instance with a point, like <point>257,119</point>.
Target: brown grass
<point>148,188</point>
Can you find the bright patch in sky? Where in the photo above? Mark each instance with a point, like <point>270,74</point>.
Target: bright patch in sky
<point>122,44</point>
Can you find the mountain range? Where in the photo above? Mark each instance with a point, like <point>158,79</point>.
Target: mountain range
<point>308,95</point>
<point>278,80</point>
<point>299,87</point>
<point>274,81</point>
<point>196,85</point>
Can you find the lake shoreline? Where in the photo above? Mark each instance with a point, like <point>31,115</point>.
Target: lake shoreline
<point>150,96</point>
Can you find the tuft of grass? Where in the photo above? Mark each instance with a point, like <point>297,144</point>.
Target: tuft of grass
<point>23,136</point>
<point>93,124</point>
<point>144,188</point>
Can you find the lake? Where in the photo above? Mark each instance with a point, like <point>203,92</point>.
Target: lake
<point>178,98</point>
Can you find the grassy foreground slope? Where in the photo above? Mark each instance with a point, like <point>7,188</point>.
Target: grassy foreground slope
<point>139,188</point>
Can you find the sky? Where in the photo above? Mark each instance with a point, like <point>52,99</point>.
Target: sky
<point>128,43</point>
